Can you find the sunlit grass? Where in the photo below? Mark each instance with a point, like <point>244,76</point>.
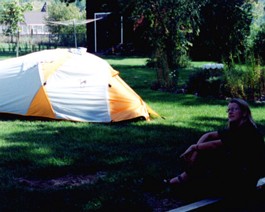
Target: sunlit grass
<point>132,61</point>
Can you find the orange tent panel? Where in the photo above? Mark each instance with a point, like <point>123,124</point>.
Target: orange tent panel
<point>124,103</point>
<point>40,106</point>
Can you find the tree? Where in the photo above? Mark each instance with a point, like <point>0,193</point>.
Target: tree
<point>70,1</point>
<point>61,12</point>
<point>168,26</point>
<point>13,14</point>
<point>64,19</point>
<point>256,40</point>
<point>81,4</point>
<point>225,25</point>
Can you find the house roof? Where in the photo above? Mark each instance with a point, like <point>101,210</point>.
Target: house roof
<point>35,18</point>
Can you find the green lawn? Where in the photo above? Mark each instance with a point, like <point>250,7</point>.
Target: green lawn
<point>4,56</point>
<point>128,159</point>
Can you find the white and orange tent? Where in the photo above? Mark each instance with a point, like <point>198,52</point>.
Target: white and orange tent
<point>67,84</point>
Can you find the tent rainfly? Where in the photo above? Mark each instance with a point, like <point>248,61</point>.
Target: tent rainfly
<point>67,84</point>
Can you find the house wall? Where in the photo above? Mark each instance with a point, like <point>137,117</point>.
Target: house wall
<point>34,29</point>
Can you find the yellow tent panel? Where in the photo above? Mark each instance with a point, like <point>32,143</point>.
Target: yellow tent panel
<point>41,106</point>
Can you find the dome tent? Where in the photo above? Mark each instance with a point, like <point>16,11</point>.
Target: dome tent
<point>67,84</point>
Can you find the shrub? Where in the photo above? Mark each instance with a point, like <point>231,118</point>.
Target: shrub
<point>244,81</point>
<point>206,82</point>
<point>234,82</point>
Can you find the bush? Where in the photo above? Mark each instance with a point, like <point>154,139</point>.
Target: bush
<point>244,81</point>
<point>206,82</point>
<point>234,82</point>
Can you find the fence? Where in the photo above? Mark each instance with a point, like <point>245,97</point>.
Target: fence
<point>32,43</point>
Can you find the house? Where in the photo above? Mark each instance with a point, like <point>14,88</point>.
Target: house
<point>34,23</point>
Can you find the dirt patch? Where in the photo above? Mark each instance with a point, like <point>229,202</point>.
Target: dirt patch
<point>158,203</point>
<point>65,181</point>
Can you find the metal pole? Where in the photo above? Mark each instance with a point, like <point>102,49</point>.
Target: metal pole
<point>95,32</point>
<point>75,34</point>
<point>121,29</point>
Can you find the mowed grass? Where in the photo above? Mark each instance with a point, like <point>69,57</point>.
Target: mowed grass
<point>4,56</point>
<point>131,157</point>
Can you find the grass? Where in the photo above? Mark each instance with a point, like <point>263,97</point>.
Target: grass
<point>132,156</point>
<point>6,55</point>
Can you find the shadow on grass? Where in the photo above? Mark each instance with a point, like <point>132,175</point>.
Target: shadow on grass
<point>6,55</point>
<point>129,153</point>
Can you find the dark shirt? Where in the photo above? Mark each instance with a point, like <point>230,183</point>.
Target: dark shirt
<point>244,149</point>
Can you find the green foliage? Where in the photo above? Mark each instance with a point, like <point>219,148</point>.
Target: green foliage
<point>225,26</point>
<point>255,79</point>
<point>62,12</point>
<point>168,26</point>
<point>69,1</point>
<point>13,13</point>
<point>206,82</point>
<point>259,44</point>
<point>235,80</point>
<point>255,42</point>
<point>245,81</point>
<point>81,4</point>
<point>234,77</point>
